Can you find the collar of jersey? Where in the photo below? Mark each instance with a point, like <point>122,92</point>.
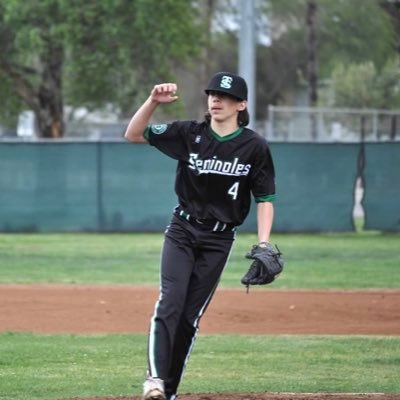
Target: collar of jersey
<point>226,137</point>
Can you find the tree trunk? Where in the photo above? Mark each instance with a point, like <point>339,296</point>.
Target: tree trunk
<point>45,100</point>
<point>312,48</point>
<point>312,60</point>
<point>50,107</point>
<point>205,67</point>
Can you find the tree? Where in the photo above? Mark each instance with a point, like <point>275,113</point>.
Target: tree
<point>36,77</point>
<point>365,86</point>
<point>348,31</point>
<point>89,53</point>
<point>392,7</point>
<point>354,32</point>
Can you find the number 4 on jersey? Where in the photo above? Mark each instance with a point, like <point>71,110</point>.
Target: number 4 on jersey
<point>233,190</point>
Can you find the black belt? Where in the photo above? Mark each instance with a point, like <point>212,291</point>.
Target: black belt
<point>205,224</point>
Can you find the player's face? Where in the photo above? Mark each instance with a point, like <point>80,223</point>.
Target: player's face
<point>223,107</point>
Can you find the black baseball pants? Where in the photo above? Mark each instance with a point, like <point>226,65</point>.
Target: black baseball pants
<point>192,261</point>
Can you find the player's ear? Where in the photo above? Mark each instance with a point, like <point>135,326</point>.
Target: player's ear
<point>242,105</point>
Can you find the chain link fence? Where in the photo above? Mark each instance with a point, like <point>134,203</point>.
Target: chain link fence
<point>303,124</point>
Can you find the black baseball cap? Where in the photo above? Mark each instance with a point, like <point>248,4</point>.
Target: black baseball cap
<point>228,83</point>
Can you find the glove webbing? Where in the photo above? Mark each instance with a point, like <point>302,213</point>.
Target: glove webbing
<point>275,255</point>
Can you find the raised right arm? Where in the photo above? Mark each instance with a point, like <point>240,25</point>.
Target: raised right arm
<point>163,93</point>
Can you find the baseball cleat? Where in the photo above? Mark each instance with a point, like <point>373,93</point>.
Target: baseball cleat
<point>153,389</point>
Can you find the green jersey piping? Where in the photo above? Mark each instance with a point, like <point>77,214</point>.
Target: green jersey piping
<point>226,137</point>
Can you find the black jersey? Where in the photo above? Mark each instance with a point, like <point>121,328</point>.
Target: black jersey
<point>216,175</point>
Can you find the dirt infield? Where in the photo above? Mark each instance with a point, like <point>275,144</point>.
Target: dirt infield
<point>114,309</point>
<point>127,309</point>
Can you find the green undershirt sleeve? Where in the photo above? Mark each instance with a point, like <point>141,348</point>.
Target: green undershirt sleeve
<point>267,198</point>
<point>146,133</point>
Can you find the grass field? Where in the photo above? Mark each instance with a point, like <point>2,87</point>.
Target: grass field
<point>351,260</point>
<point>65,366</point>
<point>56,367</point>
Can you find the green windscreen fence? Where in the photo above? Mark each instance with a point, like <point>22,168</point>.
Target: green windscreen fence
<point>381,200</point>
<point>48,187</point>
<point>84,187</point>
<point>137,188</point>
<point>117,186</point>
<point>315,187</point>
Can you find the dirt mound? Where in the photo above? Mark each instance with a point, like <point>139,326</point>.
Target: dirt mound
<point>127,309</point>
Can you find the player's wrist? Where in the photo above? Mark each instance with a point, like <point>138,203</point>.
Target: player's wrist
<point>263,244</point>
<point>153,101</point>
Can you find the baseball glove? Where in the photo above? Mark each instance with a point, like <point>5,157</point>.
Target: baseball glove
<point>267,265</point>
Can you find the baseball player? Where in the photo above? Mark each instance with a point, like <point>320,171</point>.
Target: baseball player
<point>220,164</point>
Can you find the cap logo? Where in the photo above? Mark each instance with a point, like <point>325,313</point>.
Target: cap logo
<point>226,82</point>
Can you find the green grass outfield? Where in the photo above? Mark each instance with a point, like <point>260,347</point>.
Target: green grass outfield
<point>351,260</point>
<point>65,366</point>
<point>57,367</point>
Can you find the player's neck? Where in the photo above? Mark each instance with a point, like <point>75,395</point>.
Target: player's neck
<point>224,128</point>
